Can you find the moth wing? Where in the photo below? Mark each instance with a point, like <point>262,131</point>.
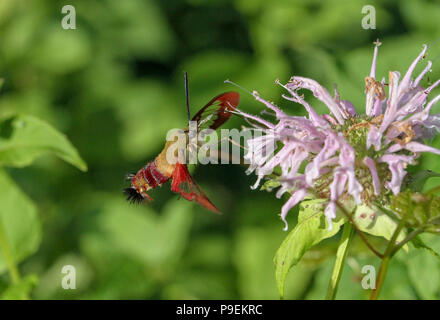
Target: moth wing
<point>187,188</point>
<point>216,112</point>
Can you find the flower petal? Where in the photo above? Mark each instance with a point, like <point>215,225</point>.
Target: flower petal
<point>375,177</point>
<point>406,81</point>
<point>296,197</point>
<point>319,92</point>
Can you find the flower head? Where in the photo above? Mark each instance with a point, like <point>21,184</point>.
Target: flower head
<point>343,155</point>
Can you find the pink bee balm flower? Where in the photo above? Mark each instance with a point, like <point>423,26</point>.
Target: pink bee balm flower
<point>345,156</point>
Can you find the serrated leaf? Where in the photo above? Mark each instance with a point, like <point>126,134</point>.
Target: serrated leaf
<point>24,138</point>
<point>20,222</point>
<point>311,229</point>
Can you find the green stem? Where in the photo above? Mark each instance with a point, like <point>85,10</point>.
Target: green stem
<point>341,254</point>
<point>411,236</point>
<point>380,277</point>
<point>389,252</point>
<point>4,246</point>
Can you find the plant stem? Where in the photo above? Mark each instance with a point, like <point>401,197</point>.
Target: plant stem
<point>411,236</point>
<point>341,254</point>
<point>4,246</point>
<point>389,252</point>
<point>380,277</point>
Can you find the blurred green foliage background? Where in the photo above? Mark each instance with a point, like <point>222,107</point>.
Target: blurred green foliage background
<point>114,86</point>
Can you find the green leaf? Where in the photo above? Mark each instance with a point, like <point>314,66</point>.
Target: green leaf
<point>311,229</point>
<point>375,222</point>
<point>418,180</point>
<point>423,266</point>
<point>20,290</point>
<point>423,271</point>
<point>20,222</point>
<point>24,138</point>
<point>338,267</point>
<point>419,244</point>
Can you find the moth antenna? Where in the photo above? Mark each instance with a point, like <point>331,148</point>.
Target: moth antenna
<point>238,86</point>
<point>185,75</point>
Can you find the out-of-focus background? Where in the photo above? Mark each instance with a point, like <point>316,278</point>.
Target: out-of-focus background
<point>115,87</point>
